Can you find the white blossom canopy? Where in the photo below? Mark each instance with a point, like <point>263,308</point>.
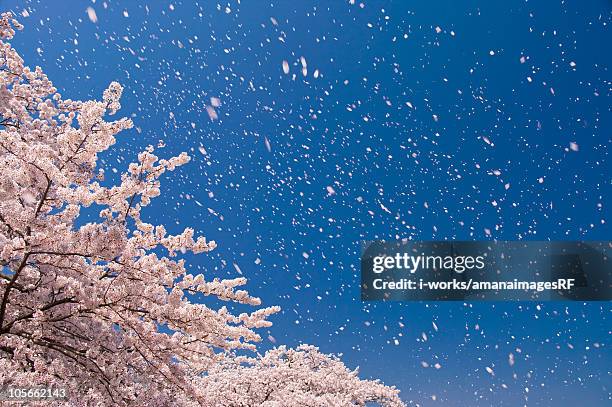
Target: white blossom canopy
<point>103,308</point>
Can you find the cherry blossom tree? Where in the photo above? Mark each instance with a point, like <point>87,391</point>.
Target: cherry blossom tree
<point>103,308</point>
<point>292,377</point>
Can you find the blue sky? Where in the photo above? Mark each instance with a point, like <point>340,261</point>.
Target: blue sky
<point>471,120</point>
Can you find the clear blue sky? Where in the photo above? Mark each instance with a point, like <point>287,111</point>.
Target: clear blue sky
<point>423,120</point>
